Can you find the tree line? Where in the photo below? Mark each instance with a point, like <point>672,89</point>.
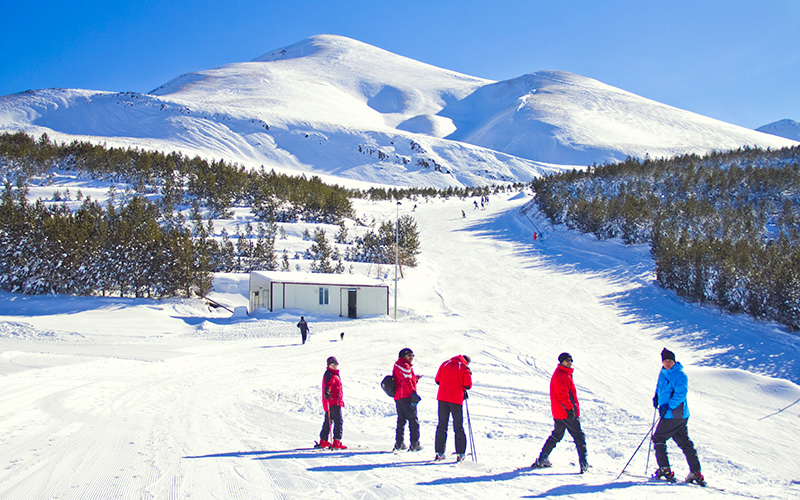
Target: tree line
<point>135,247</point>
<point>50,249</point>
<point>217,186</point>
<point>723,229</point>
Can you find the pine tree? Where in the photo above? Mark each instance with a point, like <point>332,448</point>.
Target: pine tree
<point>321,253</point>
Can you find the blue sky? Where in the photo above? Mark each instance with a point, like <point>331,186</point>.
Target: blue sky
<point>734,60</point>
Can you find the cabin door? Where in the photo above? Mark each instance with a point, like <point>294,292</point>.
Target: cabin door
<point>352,309</point>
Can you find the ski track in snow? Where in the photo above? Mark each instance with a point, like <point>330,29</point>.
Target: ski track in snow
<point>114,398</point>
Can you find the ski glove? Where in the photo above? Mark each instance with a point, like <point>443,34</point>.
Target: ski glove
<point>415,399</point>
<point>466,394</point>
<point>662,410</point>
<point>655,401</point>
<point>327,394</point>
<point>571,413</point>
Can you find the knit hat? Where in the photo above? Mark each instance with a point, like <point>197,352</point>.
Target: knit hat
<point>405,352</point>
<point>667,354</point>
<point>564,356</point>
<point>466,358</point>
<point>333,361</point>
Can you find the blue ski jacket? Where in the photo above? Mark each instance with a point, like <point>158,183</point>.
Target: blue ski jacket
<point>671,391</point>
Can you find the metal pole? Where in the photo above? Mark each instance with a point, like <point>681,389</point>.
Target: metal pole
<point>396,256</point>
<point>637,448</point>
<point>471,438</point>
<point>649,443</point>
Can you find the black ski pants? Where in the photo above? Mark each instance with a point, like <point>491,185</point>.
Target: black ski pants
<point>304,334</point>
<point>457,411</point>
<point>573,425</point>
<point>332,416</point>
<point>677,429</point>
<point>406,412</point>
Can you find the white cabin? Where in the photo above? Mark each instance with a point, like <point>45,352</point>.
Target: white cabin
<point>342,294</point>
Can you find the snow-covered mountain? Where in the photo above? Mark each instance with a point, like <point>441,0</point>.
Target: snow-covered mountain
<point>789,129</point>
<point>333,105</point>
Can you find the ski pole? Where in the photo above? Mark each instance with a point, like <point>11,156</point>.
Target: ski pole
<point>471,438</point>
<point>637,449</point>
<point>650,443</point>
<point>330,427</point>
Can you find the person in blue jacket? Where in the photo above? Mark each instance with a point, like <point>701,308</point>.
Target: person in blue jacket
<point>670,399</point>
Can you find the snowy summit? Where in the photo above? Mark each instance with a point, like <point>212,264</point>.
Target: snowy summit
<point>333,105</point>
<point>789,129</point>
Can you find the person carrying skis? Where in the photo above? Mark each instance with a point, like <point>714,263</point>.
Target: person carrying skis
<point>332,403</point>
<point>454,379</point>
<point>406,399</point>
<point>566,413</point>
<point>303,326</point>
<point>670,399</point>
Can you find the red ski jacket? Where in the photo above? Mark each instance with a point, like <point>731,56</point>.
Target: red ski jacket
<point>404,379</point>
<point>332,394</point>
<point>563,395</point>
<point>453,377</point>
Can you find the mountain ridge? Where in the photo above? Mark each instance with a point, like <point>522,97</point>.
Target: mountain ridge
<point>336,106</point>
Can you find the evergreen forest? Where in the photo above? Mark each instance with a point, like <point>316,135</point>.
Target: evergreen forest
<point>723,229</point>
<point>157,238</point>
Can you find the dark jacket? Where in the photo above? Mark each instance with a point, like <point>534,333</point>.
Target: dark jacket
<point>303,326</point>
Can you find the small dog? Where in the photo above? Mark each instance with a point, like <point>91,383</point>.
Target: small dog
<point>341,336</point>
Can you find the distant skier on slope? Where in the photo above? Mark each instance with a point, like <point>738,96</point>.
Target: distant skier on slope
<point>406,399</point>
<point>303,326</point>
<point>332,403</point>
<point>454,379</point>
<point>566,414</point>
<point>670,399</point>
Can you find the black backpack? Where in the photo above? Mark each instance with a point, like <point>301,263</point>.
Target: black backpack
<point>387,384</point>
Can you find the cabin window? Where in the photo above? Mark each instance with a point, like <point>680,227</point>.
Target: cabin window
<point>323,296</point>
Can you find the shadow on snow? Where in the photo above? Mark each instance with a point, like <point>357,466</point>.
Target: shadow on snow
<point>729,341</point>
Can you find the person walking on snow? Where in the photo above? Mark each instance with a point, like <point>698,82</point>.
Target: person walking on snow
<point>332,403</point>
<point>670,399</point>
<point>566,414</point>
<point>406,399</point>
<point>303,326</point>
<point>454,379</point>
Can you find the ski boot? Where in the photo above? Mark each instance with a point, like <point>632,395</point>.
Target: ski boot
<point>696,478</point>
<point>322,445</point>
<point>415,447</point>
<point>439,457</point>
<point>584,466</point>
<point>665,473</point>
<point>461,457</point>
<point>399,446</point>
<point>337,445</point>
<point>541,463</point>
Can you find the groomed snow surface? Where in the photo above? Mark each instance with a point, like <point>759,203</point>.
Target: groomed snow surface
<point>135,398</point>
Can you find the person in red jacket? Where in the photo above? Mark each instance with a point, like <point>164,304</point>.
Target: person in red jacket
<point>405,400</point>
<point>332,403</point>
<point>566,413</point>
<point>454,379</point>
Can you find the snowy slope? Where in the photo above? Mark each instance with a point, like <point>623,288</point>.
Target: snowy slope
<point>786,128</point>
<point>560,117</point>
<point>333,105</point>
<point>134,398</point>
